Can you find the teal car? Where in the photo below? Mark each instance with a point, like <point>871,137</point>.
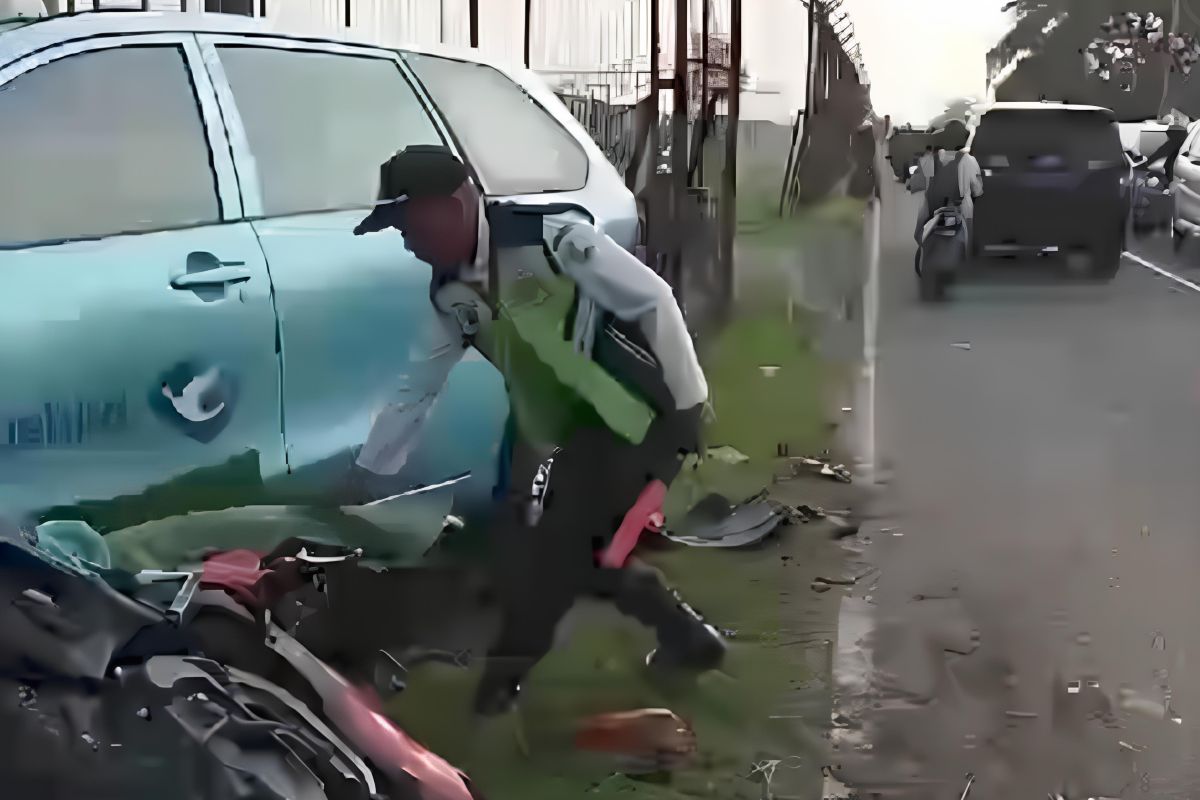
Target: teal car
<point>186,320</point>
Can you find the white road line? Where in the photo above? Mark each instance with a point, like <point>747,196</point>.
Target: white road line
<point>1155,268</point>
<point>870,337</point>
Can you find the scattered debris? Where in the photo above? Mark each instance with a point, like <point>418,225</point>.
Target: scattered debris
<point>715,522</point>
<point>970,783</point>
<point>90,741</point>
<point>646,740</point>
<point>1159,642</point>
<point>1021,714</point>
<point>727,455</point>
<point>1133,748</point>
<point>1074,687</point>
<point>766,769</point>
<point>143,713</point>
<point>847,409</point>
<point>26,697</point>
<point>821,467</point>
<point>821,585</point>
<point>836,581</point>
<point>769,370</point>
<point>962,345</point>
<point>805,514</point>
<point>1145,530</point>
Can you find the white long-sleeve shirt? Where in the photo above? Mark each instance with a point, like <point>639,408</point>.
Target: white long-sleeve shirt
<point>970,184</point>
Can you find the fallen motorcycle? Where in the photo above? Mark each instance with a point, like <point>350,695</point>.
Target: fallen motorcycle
<point>120,695</point>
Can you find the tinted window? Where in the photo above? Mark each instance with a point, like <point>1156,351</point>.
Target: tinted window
<point>103,142</point>
<point>515,144</point>
<point>1027,138</point>
<point>321,124</point>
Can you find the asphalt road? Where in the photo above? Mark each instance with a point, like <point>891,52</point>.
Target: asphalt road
<point>1040,449</point>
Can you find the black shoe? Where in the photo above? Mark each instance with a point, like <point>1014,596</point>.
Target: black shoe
<point>689,643</point>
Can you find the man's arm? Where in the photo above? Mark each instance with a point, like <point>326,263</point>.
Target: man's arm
<point>976,176</point>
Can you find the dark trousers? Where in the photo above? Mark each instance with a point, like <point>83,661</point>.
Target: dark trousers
<point>542,569</point>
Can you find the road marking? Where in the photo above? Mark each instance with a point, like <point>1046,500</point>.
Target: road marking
<point>870,337</point>
<point>1155,268</point>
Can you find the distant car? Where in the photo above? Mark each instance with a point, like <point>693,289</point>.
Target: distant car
<point>187,319</point>
<point>1054,180</point>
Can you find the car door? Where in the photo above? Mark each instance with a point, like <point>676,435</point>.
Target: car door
<point>138,338</point>
<point>311,123</point>
<point>1185,185</point>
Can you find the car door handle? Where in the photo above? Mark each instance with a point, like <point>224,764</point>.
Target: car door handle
<point>230,272</point>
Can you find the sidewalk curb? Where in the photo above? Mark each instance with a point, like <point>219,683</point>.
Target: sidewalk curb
<point>852,661</point>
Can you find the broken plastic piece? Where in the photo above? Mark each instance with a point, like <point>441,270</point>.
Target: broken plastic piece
<point>962,345</point>
<point>821,467</point>
<point>727,455</point>
<point>653,738</point>
<point>713,522</point>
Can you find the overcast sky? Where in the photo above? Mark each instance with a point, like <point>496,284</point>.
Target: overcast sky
<point>920,53</point>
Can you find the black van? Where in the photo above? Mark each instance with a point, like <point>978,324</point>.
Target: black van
<point>1053,182</point>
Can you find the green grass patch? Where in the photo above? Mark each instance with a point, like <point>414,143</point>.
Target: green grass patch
<point>600,668</point>
<point>757,409</point>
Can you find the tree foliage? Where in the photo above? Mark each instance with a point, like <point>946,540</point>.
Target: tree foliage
<point>1098,51</point>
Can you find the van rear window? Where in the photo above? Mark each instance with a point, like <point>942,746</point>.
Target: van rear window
<point>1046,138</point>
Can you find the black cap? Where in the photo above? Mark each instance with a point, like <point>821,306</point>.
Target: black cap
<point>422,170</point>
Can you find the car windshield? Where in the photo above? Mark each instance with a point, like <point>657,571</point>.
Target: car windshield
<point>1029,139</point>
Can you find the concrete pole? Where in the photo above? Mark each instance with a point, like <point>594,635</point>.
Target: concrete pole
<point>729,177</point>
<point>528,27</point>
<point>679,145</point>
<point>655,45</point>
<point>703,120</point>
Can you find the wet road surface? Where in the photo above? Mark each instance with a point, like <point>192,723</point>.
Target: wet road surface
<point>1037,612</point>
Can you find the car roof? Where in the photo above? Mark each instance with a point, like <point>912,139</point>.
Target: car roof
<point>1047,107</point>
<point>20,39</point>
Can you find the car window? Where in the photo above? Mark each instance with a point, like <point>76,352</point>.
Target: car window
<point>1024,139</point>
<point>103,142</point>
<point>321,124</point>
<point>515,144</point>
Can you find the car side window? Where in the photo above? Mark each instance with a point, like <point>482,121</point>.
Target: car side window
<point>321,124</point>
<point>515,144</point>
<point>104,142</point>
